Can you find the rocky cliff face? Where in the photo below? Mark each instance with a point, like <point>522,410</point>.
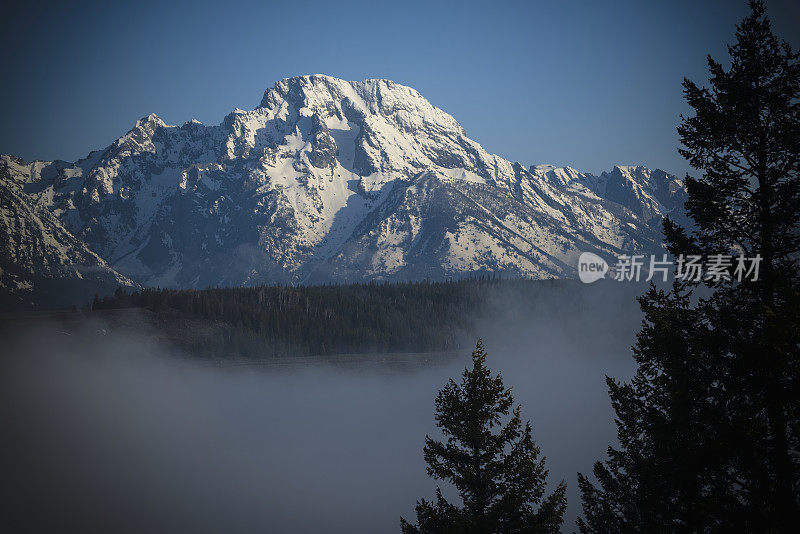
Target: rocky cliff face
<point>40,260</point>
<point>326,180</point>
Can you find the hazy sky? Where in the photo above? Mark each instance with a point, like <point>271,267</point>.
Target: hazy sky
<point>589,84</point>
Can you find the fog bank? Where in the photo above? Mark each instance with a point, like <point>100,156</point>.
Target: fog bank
<point>116,432</point>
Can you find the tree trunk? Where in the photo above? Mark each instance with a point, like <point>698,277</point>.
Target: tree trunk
<point>779,455</point>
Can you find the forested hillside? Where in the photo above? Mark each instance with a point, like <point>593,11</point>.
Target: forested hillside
<point>268,321</point>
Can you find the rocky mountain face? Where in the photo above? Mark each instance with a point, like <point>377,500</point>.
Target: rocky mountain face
<point>648,194</point>
<point>40,260</point>
<point>326,180</point>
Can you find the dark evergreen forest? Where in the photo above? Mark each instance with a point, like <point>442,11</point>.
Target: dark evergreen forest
<point>269,321</point>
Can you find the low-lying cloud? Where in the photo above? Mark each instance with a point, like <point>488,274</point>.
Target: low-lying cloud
<point>118,433</point>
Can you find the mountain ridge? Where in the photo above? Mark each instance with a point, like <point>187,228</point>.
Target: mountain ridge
<point>329,180</point>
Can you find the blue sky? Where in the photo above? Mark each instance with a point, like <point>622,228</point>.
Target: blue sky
<point>587,84</point>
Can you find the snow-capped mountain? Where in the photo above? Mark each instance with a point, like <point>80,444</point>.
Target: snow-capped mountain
<point>648,194</point>
<point>325,180</point>
<point>40,260</point>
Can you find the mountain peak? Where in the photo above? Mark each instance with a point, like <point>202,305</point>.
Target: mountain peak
<point>335,180</point>
<point>334,97</point>
<point>150,120</point>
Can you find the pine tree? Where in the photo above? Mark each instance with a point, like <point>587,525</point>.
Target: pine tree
<point>745,137</point>
<point>671,472</point>
<point>710,425</point>
<point>491,459</point>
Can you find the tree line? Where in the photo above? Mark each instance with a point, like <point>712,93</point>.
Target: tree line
<point>267,321</point>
